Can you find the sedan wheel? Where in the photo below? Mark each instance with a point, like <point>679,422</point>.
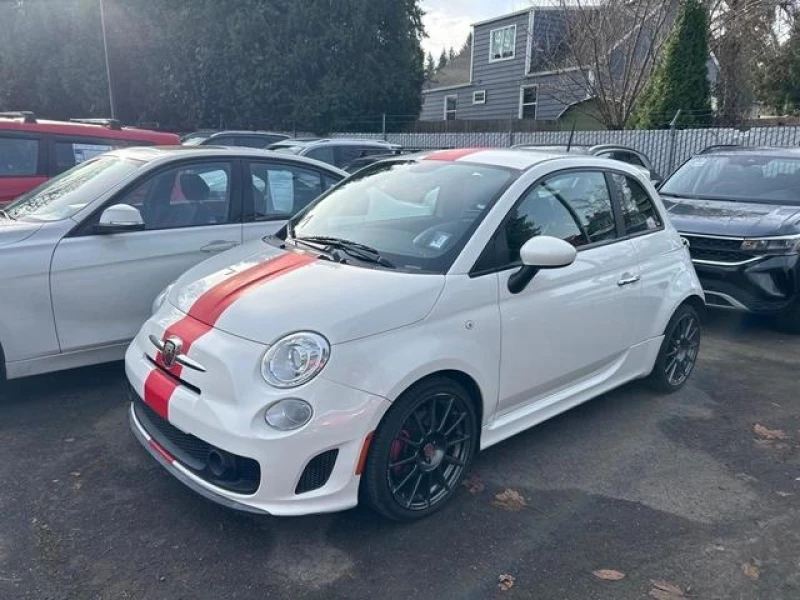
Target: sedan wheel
<point>421,450</point>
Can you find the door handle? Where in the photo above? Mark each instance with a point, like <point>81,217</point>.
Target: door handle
<point>219,246</point>
<point>628,280</point>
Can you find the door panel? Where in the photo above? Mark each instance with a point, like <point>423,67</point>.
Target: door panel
<point>103,285</point>
<point>568,324</point>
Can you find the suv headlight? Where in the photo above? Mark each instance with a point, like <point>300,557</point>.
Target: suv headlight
<point>295,359</point>
<point>161,298</point>
<point>788,244</point>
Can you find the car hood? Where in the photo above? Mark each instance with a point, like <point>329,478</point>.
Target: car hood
<point>261,293</point>
<point>13,232</point>
<point>736,219</point>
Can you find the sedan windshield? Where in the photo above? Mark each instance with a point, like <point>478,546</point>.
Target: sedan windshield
<point>417,215</point>
<point>739,177</point>
<point>63,196</point>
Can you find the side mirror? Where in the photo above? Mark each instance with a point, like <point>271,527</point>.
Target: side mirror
<point>540,252</point>
<point>119,219</point>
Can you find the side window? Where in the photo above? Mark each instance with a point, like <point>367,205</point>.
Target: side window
<point>347,154</point>
<point>328,181</point>
<point>322,153</point>
<point>279,191</point>
<point>186,196</point>
<point>71,153</point>
<point>252,141</point>
<point>223,140</point>
<point>638,211</point>
<point>19,157</point>
<point>574,207</point>
<point>587,197</point>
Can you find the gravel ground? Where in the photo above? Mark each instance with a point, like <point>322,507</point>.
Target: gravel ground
<point>678,489</point>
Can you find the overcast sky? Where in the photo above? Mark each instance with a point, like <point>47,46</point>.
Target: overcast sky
<point>447,21</point>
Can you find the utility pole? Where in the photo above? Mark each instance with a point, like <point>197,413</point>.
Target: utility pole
<point>108,65</point>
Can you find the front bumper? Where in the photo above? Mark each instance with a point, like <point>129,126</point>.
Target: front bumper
<point>224,407</point>
<point>768,285</point>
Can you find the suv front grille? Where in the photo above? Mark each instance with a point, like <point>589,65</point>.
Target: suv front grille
<point>214,465</point>
<point>721,250</point>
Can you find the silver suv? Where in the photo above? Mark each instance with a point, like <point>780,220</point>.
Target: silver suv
<point>335,151</point>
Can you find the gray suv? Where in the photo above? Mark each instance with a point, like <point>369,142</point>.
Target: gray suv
<point>335,151</point>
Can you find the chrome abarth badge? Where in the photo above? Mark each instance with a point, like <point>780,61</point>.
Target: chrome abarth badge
<point>170,351</point>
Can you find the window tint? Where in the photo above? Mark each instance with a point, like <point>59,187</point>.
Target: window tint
<point>540,213</point>
<point>18,156</point>
<point>69,154</point>
<point>279,191</point>
<point>322,153</point>
<point>347,154</point>
<point>638,210</point>
<point>223,140</point>
<point>185,196</point>
<point>587,197</point>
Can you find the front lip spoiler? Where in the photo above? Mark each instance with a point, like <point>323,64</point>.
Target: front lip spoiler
<point>144,440</point>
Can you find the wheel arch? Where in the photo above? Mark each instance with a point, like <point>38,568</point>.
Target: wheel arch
<point>697,303</point>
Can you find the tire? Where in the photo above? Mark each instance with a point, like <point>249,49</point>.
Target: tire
<point>678,354</point>
<point>790,320</point>
<point>421,450</point>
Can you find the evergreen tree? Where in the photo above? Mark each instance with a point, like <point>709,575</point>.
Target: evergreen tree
<point>451,54</point>
<point>779,77</point>
<point>467,47</point>
<point>442,60</point>
<point>680,79</point>
<point>430,67</point>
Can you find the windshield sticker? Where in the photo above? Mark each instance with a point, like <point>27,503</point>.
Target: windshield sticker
<point>439,241</point>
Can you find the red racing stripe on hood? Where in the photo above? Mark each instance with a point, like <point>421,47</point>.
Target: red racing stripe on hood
<point>454,154</point>
<point>203,315</point>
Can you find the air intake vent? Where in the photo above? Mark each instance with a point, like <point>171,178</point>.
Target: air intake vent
<point>317,472</point>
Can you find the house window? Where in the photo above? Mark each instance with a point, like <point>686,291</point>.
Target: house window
<point>502,43</point>
<point>450,105</point>
<point>479,97</point>
<point>528,98</point>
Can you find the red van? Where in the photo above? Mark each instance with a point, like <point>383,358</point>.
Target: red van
<point>33,150</point>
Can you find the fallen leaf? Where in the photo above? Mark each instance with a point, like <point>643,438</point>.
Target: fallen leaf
<point>668,588</point>
<point>751,571</point>
<point>662,595</point>
<point>474,484</point>
<point>769,434</point>
<point>608,574</point>
<point>506,582</point>
<point>510,500</point>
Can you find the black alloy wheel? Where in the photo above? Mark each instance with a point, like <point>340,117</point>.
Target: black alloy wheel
<point>421,450</point>
<point>679,350</point>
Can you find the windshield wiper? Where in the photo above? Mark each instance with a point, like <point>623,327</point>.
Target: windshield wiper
<point>6,215</point>
<point>354,249</point>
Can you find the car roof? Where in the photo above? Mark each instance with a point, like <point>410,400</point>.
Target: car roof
<point>512,158</point>
<point>247,132</point>
<point>86,129</point>
<point>734,150</point>
<point>164,154</point>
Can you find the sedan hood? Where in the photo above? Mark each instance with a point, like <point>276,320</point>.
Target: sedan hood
<point>13,232</point>
<point>735,219</point>
<point>262,293</point>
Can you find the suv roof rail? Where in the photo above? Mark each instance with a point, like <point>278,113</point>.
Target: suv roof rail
<point>26,115</point>
<point>722,147</point>
<point>110,123</point>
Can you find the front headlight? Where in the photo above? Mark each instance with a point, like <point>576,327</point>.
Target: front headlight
<point>295,359</point>
<point>161,298</point>
<point>788,244</point>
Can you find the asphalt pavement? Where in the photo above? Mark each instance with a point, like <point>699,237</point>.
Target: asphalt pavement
<point>699,491</point>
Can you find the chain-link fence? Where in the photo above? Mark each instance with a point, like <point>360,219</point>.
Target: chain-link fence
<point>667,149</point>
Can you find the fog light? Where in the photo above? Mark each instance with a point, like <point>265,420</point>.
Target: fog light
<point>288,414</point>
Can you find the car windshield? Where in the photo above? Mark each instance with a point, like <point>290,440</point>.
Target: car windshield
<point>739,177</point>
<point>63,196</point>
<point>416,214</point>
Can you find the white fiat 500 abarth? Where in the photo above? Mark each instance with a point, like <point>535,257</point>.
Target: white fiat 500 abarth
<point>424,309</point>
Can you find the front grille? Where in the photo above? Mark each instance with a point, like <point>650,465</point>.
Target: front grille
<point>717,249</point>
<point>317,472</point>
<point>214,465</point>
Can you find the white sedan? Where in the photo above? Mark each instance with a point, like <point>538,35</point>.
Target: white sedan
<point>83,256</point>
<point>425,309</point>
